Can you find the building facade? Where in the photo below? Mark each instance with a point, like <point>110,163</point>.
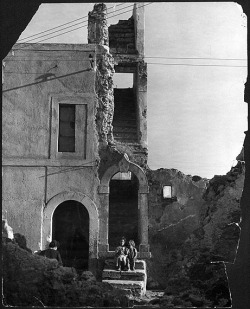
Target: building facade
<point>69,136</point>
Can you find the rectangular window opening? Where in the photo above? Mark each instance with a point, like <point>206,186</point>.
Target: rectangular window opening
<point>125,109</point>
<point>123,80</point>
<point>167,192</point>
<point>66,139</point>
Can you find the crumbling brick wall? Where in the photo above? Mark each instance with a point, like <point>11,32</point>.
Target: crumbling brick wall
<point>122,37</point>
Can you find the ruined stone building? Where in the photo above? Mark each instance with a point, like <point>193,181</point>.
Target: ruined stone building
<point>66,133</point>
<point>75,162</point>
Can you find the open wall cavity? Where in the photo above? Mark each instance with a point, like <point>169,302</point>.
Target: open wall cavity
<point>125,106</point>
<point>123,209</point>
<point>70,226</point>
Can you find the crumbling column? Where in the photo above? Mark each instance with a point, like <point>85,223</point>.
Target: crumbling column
<point>104,217</point>
<point>98,26</point>
<point>141,97</point>
<point>143,222</point>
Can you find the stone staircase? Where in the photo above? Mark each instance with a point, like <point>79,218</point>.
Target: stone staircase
<point>124,121</point>
<point>135,281</point>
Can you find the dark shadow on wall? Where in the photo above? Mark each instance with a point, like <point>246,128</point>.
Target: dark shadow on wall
<point>71,228</point>
<point>46,78</point>
<point>123,211</point>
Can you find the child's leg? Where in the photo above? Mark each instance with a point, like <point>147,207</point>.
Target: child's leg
<point>116,261</point>
<point>124,261</point>
<point>118,264</point>
<point>132,264</point>
<point>128,263</point>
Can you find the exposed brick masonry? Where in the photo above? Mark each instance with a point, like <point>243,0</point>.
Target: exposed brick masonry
<point>122,37</point>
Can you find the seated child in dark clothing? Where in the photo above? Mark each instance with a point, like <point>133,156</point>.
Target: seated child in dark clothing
<point>52,252</point>
<point>121,255</point>
<point>132,255</point>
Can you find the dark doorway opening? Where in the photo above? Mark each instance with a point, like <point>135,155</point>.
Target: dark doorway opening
<point>71,228</point>
<point>123,210</point>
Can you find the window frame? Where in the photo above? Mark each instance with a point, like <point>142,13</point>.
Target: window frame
<point>171,191</point>
<point>62,123</point>
<point>84,106</point>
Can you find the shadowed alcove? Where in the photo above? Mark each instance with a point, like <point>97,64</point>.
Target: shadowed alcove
<point>123,208</point>
<point>71,228</point>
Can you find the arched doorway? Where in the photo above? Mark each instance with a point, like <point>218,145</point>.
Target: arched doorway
<point>94,219</point>
<point>70,226</point>
<point>124,166</point>
<point>123,209</point>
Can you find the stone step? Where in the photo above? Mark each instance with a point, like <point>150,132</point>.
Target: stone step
<point>122,129</point>
<point>125,135</point>
<point>110,264</point>
<point>121,124</point>
<point>137,288</point>
<point>111,274</point>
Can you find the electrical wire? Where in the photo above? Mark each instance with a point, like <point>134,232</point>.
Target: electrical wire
<point>82,26</point>
<point>69,169</point>
<point>199,65</point>
<point>65,28</point>
<point>170,64</point>
<point>195,58</point>
<point>70,22</point>
<point>82,60</point>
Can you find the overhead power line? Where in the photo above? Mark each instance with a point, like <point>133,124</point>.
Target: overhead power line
<point>201,65</point>
<point>70,22</point>
<point>146,57</point>
<point>40,36</point>
<point>80,26</point>
<point>191,58</point>
<point>174,64</point>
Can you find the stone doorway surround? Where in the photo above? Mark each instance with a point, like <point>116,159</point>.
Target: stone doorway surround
<point>93,219</point>
<point>124,166</point>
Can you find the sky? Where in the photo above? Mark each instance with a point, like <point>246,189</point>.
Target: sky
<point>196,55</point>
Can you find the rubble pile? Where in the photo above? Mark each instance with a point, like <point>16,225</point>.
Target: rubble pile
<point>32,280</point>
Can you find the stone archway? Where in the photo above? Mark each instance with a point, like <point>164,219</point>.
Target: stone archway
<point>124,166</point>
<point>93,218</point>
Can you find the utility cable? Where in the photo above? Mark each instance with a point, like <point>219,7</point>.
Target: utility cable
<point>195,58</point>
<point>170,64</point>
<point>40,36</point>
<point>69,169</point>
<point>81,26</point>
<point>199,65</point>
<point>70,22</point>
<point>168,58</point>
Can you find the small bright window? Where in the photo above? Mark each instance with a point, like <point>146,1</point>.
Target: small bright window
<point>167,192</point>
<point>123,80</point>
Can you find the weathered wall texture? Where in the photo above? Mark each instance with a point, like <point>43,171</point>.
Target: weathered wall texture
<point>221,214</point>
<point>196,228</point>
<point>105,103</point>
<point>31,77</point>
<point>38,79</point>
<point>77,179</point>
<point>171,220</point>
<point>122,37</point>
<point>23,198</point>
<point>98,26</point>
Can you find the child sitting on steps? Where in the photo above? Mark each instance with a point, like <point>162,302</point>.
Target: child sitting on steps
<point>131,255</point>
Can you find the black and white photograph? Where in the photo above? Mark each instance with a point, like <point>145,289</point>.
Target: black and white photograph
<point>125,154</point>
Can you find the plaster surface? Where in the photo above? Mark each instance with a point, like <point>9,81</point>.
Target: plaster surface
<point>23,199</point>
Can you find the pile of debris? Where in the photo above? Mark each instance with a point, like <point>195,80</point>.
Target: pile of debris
<point>33,280</point>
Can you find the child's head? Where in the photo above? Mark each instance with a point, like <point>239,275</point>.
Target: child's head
<point>123,241</point>
<point>131,243</point>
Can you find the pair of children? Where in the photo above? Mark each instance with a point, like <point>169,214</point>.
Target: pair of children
<point>125,256</point>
